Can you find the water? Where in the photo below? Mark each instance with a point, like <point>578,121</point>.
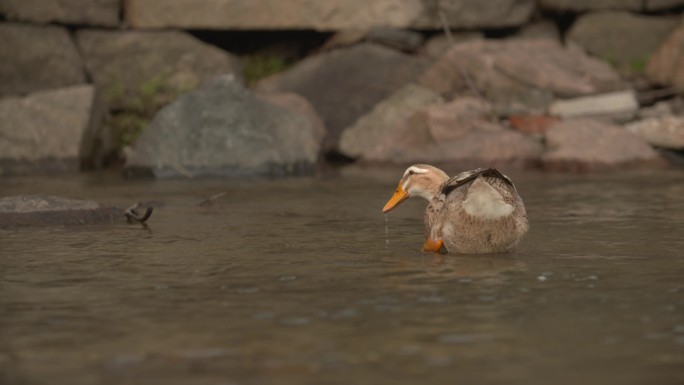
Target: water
<point>302,281</point>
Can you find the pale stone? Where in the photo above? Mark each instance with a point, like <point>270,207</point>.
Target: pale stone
<point>623,103</point>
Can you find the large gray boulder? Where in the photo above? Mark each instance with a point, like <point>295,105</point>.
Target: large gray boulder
<point>666,66</point>
<point>325,15</point>
<point>103,13</point>
<point>461,131</point>
<point>46,131</point>
<point>520,73</point>
<point>377,126</point>
<point>46,210</point>
<point>624,39</point>
<point>345,84</point>
<point>34,58</point>
<point>590,145</point>
<point>131,67</point>
<point>222,129</point>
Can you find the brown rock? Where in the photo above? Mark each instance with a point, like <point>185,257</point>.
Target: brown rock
<point>501,71</point>
<point>664,131</point>
<point>658,5</point>
<point>325,15</point>
<point>382,122</point>
<point>129,66</point>
<point>461,131</point>
<point>624,39</point>
<point>347,83</point>
<point>545,29</point>
<point>438,45</point>
<point>666,66</point>
<point>298,105</point>
<point>34,58</point>
<point>593,5</point>
<point>589,5</point>
<point>590,145</point>
<point>46,131</point>
<point>103,13</point>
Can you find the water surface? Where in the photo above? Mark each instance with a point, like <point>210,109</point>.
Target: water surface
<point>295,281</point>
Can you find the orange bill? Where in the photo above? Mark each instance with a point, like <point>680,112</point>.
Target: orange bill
<point>432,245</point>
<point>399,196</point>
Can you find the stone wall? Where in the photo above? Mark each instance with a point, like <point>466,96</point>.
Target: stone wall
<point>80,80</point>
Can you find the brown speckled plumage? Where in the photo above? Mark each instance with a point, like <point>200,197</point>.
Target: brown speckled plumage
<point>448,220</point>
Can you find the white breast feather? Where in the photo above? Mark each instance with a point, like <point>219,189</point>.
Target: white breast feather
<point>484,202</point>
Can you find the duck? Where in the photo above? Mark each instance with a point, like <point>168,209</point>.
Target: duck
<point>476,212</point>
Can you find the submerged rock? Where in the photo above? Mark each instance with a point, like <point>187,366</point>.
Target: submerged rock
<point>46,210</point>
<point>222,129</point>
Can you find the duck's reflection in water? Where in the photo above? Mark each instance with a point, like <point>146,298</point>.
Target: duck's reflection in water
<point>436,269</point>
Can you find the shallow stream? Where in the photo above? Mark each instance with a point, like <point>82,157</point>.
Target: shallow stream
<point>298,281</point>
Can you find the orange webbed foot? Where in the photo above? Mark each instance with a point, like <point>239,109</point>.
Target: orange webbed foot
<point>431,245</point>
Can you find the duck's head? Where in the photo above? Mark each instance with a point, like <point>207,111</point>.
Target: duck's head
<point>419,180</point>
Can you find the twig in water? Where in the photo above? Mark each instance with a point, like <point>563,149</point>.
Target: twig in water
<point>132,214</point>
<point>211,199</point>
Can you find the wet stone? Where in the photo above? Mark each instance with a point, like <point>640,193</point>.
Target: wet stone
<point>45,210</point>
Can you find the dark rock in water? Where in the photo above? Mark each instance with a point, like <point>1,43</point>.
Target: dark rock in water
<point>345,84</point>
<point>222,129</point>
<point>34,58</point>
<point>45,210</point>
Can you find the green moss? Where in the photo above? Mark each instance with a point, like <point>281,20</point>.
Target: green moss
<point>634,66</point>
<point>126,127</point>
<point>136,109</point>
<point>638,66</point>
<point>259,66</point>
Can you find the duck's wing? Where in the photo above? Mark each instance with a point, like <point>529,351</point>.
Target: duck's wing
<point>467,176</point>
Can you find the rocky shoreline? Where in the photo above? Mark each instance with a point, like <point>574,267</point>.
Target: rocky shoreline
<point>552,84</point>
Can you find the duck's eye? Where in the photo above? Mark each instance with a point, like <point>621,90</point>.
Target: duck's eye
<point>411,172</point>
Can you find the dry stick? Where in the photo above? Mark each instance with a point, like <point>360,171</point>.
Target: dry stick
<point>132,214</point>
<point>211,199</point>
